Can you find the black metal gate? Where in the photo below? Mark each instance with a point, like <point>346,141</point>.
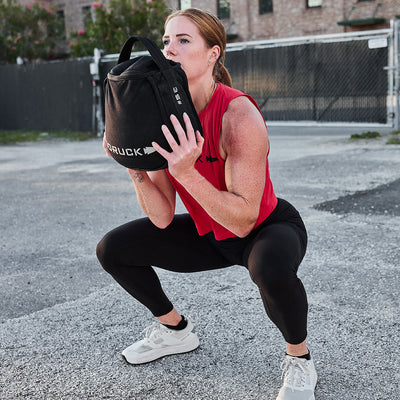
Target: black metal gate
<point>321,82</point>
<point>46,96</point>
<point>319,79</point>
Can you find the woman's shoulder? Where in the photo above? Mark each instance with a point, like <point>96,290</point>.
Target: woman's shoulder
<point>242,123</point>
<point>243,127</point>
<point>229,91</point>
<point>243,108</point>
<point>237,99</point>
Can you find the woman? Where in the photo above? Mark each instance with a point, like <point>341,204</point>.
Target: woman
<point>234,217</point>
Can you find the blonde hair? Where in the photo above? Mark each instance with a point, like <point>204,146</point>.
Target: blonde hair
<point>213,32</point>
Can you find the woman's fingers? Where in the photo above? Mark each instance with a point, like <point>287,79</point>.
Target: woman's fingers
<point>186,135</point>
<point>186,143</point>
<point>160,150</point>
<point>199,139</point>
<point>108,153</point>
<point>190,133</point>
<point>169,137</point>
<point>183,137</point>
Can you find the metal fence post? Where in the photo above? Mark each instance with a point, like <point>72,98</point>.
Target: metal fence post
<point>97,113</point>
<point>397,74</point>
<point>390,76</point>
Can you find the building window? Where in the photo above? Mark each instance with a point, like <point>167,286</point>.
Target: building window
<point>265,6</point>
<point>314,3</point>
<point>223,9</point>
<point>183,4</point>
<point>87,14</point>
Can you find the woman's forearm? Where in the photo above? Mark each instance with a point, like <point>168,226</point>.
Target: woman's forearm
<point>232,211</point>
<point>156,198</point>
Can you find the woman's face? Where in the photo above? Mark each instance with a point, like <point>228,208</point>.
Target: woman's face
<point>184,44</point>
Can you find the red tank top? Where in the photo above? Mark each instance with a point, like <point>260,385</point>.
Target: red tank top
<point>212,166</point>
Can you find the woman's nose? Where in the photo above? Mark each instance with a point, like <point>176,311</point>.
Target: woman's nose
<point>170,49</point>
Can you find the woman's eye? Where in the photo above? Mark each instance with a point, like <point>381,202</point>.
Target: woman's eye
<point>165,42</point>
<point>184,40</point>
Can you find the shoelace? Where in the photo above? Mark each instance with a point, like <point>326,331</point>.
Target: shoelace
<point>294,373</point>
<point>152,331</point>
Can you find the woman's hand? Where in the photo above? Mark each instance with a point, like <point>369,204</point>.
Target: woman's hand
<point>105,145</point>
<point>184,154</point>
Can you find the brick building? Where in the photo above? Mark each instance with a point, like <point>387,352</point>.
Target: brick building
<point>246,20</point>
<point>269,19</point>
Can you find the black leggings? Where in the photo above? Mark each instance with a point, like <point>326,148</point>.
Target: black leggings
<point>272,254</point>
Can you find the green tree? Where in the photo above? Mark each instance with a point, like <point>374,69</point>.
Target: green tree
<point>111,26</point>
<point>28,32</point>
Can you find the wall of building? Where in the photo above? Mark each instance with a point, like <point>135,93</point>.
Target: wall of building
<point>292,18</point>
<point>289,18</point>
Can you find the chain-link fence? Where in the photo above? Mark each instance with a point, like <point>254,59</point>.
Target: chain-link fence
<point>340,80</point>
<point>320,79</point>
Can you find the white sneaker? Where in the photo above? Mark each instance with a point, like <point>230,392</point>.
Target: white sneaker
<point>299,377</point>
<point>159,341</point>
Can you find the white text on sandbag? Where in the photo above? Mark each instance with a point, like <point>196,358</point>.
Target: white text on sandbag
<point>141,151</point>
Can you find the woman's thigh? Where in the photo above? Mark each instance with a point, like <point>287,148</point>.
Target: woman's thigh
<point>177,248</point>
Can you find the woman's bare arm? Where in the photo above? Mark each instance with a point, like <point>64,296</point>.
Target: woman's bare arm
<point>244,146</point>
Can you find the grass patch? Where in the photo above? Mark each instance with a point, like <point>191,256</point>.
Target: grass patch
<point>11,137</point>
<point>365,135</point>
<point>393,140</point>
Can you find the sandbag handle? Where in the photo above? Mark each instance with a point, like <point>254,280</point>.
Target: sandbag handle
<point>151,46</point>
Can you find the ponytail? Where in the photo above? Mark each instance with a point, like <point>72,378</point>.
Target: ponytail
<point>221,74</point>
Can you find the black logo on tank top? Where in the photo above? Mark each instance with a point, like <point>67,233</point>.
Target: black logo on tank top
<point>209,159</point>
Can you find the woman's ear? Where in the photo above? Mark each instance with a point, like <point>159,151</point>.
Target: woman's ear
<point>215,53</point>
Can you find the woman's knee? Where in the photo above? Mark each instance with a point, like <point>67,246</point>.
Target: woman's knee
<point>270,277</point>
<point>274,259</point>
<point>106,253</point>
<point>274,272</point>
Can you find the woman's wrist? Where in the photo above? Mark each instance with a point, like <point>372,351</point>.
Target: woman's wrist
<point>190,178</point>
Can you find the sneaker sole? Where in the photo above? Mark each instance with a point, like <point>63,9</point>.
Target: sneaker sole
<point>190,345</point>
<point>310,398</point>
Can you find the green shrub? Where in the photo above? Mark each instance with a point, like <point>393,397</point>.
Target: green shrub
<point>111,26</point>
<point>365,135</point>
<point>29,32</point>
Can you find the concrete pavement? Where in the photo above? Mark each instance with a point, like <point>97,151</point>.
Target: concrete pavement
<point>63,321</point>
